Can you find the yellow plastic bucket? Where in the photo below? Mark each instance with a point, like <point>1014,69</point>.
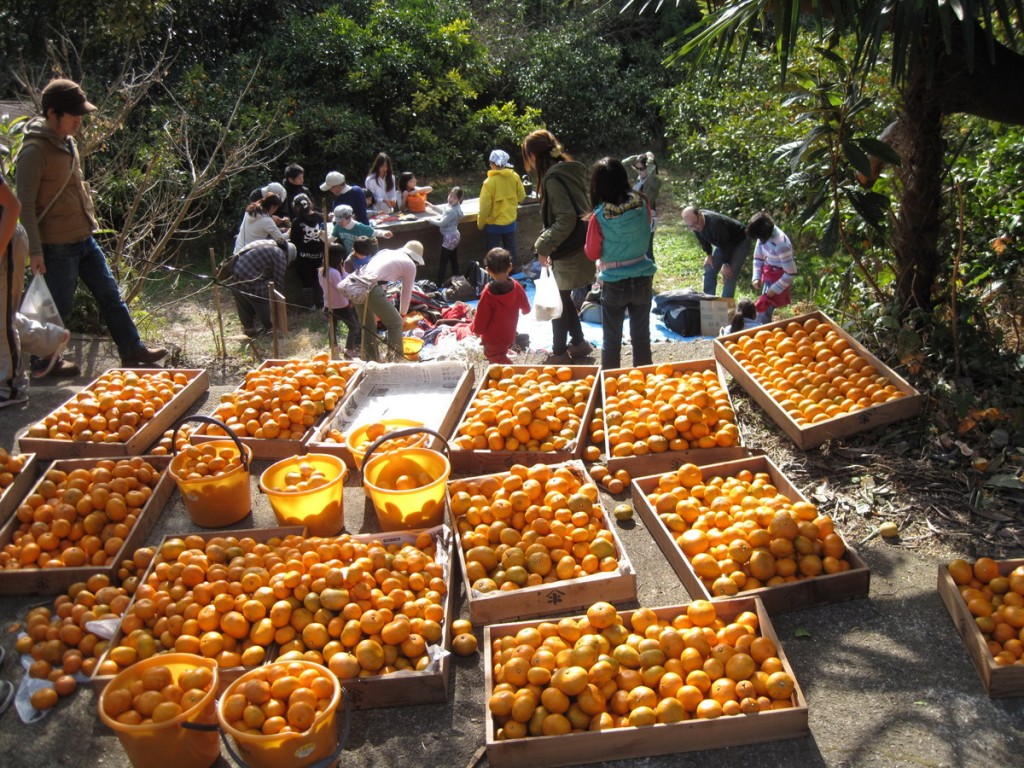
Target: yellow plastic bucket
<point>286,750</point>
<point>384,475</point>
<point>357,441</point>
<point>322,509</point>
<point>220,500</point>
<point>411,347</point>
<point>168,744</point>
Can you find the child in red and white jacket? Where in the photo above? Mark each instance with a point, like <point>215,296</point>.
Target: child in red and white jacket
<point>497,314</point>
<point>774,265</point>
<point>336,303</point>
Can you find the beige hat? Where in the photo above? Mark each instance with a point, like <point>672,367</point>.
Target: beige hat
<point>415,250</point>
<point>334,179</point>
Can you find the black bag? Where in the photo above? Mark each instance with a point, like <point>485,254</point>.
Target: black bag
<point>457,288</point>
<point>577,238</point>
<point>477,277</point>
<point>683,319</point>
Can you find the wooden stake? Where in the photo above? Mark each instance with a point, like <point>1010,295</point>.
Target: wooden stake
<point>222,345</point>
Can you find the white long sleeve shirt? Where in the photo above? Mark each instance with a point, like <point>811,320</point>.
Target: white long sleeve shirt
<point>391,265</point>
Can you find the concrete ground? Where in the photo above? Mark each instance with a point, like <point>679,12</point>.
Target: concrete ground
<point>887,680</point>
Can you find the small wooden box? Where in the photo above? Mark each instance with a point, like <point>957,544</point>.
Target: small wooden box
<point>661,739</point>
<point>431,393</point>
<point>813,435</point>
<point>792,596</point>
<point>476,461</point>
<point>50,581</point>
<point>715,314</point>
<point>16,492</point>
<point>617,586</point>
<point>430,686</point>
<point>1000,682</point>
<point>274,449</point>
<point>653,463</point>
<point>229,675</point>
<point>142,440</point>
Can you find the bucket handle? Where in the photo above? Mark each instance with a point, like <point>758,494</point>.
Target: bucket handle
<point>404,432</point>
<point>324,763</point>
<point>216,423</point>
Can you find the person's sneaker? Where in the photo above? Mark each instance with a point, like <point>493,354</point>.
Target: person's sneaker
<point>583,349</point>
<point>16,397</point>
<point>143,356</point>
<point>54,365</point>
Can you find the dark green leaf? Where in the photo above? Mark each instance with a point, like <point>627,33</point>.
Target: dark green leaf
<point>801,632</point>
<point>857,157</point>
<point>830,237</point>
<point>880,150</point>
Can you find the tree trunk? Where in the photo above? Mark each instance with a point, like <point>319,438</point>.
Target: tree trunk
<point>919,213</point>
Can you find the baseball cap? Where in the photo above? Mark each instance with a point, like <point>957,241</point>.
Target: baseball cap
<point>500,158</point>
<point>66,96</point>
<point>415,250</point>
<point>334,179</point>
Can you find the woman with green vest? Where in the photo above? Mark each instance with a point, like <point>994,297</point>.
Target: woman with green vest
<point>617,238</point>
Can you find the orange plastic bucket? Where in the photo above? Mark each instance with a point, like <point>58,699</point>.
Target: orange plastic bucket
<point>321,510</point>
<point>286,750</point>
<point>357,441</point>
<point>420,505</point>
<point>168,744</point>
<point>218,500</point>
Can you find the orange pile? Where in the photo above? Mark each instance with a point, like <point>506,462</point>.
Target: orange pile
<point>357,605</point>
<point>997,604</point>
<point>113,408</point>
<point>525,409</point>
<point>662,410</point>
<point>613,482</point>
<point>303,477</point>
<point>82,517</point>
<point>158,696</point>
<point>10,466</point>
<point>279,698</point>
<point>283,401</point>
<point>811,371</point>
<point>597,672</point>
<point>739,533</point>
<point>163,446</point>
<point>532,526</point>
<point>57,639</point>
<point>207,460</point>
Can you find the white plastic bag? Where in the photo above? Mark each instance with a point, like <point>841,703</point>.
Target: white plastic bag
<point>547,302</point>
<point>38,303</point>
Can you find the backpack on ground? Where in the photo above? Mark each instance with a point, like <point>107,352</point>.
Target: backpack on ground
<point>457,288</point>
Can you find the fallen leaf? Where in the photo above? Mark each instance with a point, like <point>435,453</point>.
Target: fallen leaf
<point>801,632</point>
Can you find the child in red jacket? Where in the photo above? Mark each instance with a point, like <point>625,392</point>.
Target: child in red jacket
<point>497,314</point>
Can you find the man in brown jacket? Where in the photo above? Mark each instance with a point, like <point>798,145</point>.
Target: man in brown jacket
<point>58,215</point>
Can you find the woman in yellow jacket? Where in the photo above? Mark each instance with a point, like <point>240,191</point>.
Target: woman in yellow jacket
<point>500,195</point>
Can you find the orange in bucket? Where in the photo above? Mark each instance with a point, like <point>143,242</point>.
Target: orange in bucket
<point>213,478</point>
<point>149,724</point>
<point>407,487</point>
<point>303,697</point>
<point>362,437</point>
<point>308,490</point>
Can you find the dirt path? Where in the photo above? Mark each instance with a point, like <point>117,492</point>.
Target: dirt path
<point>887,680</point>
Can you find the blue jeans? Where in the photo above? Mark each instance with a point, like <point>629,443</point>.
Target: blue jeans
<point>632,295</point>
<point>85,259</point>
<point>719,257</point>
<point>506,240</point>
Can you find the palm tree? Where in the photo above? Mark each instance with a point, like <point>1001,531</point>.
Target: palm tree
<point>948,56</point>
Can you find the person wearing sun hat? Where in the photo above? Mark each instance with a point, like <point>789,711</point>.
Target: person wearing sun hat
<point>340,193</point>
<point>500,195</point>
<point>389,266</point>
<point>60,220</point>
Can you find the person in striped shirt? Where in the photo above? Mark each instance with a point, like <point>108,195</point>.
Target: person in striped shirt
<point>258,264</point>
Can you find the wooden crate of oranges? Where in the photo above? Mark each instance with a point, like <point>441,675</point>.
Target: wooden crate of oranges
<point>698,676</point>
<point>535,541</point>
<point>83,516</point>
<point>122,413</point>
<point>524,415</point>
<point>985,599</point>
<point>659,417</point>
<point>18,472</point>
<point>308,610</point>
<point>815,380</point>
<point>276,409</point>
<point>147,627</point>
<point>740,527</point>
